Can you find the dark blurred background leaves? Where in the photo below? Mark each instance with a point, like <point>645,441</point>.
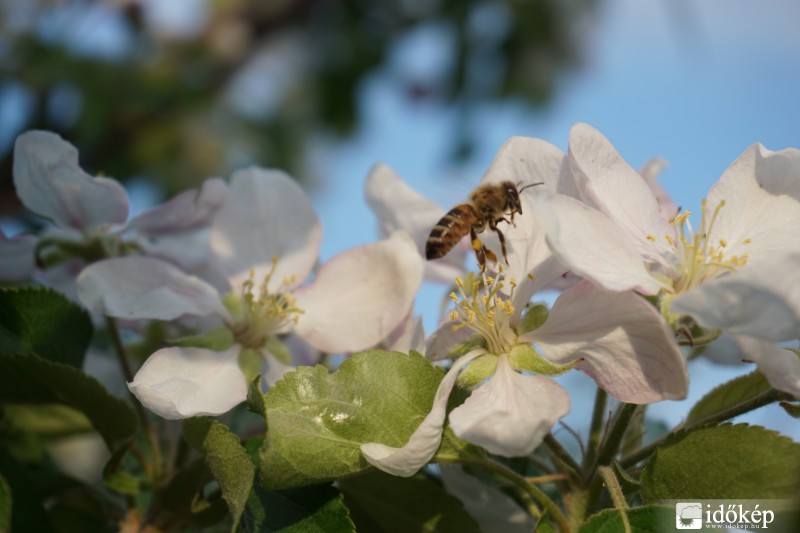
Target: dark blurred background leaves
<point>257,81</point>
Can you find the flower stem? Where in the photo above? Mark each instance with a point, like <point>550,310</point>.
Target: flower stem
<point>152,438</point>
<point>562,455</point>
<point>596,428</point>
<point>760,400</point>
<point>521,483</point>
<point>608,451</point>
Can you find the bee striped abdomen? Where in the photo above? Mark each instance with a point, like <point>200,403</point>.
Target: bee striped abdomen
<point>449,230</point>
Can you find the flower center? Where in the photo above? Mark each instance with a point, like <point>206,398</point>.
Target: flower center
<point>699,255</point>
<point>485,311</point>
<point>264,313</point>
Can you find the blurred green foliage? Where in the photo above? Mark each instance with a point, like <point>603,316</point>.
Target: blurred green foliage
<point>163,106</point>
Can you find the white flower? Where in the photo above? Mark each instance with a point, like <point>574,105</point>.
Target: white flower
<point>89,213</point>
<point>265,242</point>
<point>617,338</point>
<point>733,272</point>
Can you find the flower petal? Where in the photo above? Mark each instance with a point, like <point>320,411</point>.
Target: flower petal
<point>445,338</point>
<point>187,211</point>
<point>266,215</point>
<point>423,443</point>
<point>51,184</point>
<point>526,160</point>
<point>592,245</point>
<point>611,185</point>
<point>177,383</point>
<point>761,302</point>
<point>360,296</point>
<point>780,366</point>
<point>761,215</point>
<point>16,257</point>
<point>511,413</point>
<point>399,207</point>
<point>650,172</point>
<point>625,344</point>
<point>145,288</point>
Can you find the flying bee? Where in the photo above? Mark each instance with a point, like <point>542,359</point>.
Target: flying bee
<point>488,205</point>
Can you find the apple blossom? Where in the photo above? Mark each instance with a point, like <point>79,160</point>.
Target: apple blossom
<point>265,242</point>
<point>620,236</point>
<point>617,338</point>
<point>89,213</point>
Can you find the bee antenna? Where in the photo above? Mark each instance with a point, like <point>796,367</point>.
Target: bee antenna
<point>529,185</point>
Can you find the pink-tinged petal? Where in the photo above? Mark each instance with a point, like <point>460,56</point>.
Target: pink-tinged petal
<point>761,302</point>
<point>423,443</point>
<point>611,185</point>
<point>725,350</point>
<point>399,207</point>
<point>187,211</point>
<point>275,369</point>
<point>51,184</point>
<point>524,161</point>
<point>545,274</point>
<point>16,257</point>
<point>511,413</point>
<point>408,335</point>
<point>189,250</point>
<point>488,505</point>
<point>267,215</point>
<point>445,338</point>
<point>780,366</point>
<point>761,215</point>
<point>145,288</point>
<point>650,172</point>
<point>625,344</point>
<point>592,245</point>
<point>360,296</point>
<point>177,383</point>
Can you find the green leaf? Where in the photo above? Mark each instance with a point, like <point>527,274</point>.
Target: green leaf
<point>5,506</point>
<point>226,458</point>
<point>380,502</point>
<point>40,321</point>
<point>37,381</point>
<point>27,512</point>
<point>647,519</point>
<point>316,509</point>
<point>728,395</point>
<point>47,420</point>
<point>317,421</point>
<point>723,462</point>
<point>628,484</point>
<point>218,340</point>
<point>792,409</point>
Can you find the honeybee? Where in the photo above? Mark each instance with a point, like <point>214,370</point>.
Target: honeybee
<point>488,205</point>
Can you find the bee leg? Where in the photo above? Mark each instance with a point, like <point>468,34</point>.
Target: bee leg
<point>481,252</point>
<point>502,243</point>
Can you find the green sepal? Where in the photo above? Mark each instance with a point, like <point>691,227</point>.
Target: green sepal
<point>533,317</point>
<point>463,348</point>
<point>278,350</point>
<point>251,362</point>
<point>477,371</point>
<point>524,357</point>
<point>255,397</point>
<point>233,303</point>
<point>226,458</point>
<point>218,340</point>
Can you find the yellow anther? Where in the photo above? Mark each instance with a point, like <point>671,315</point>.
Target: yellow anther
<point>723,243</point>
<point>459,283</point>
<point>670,240</point>
<point>531,277</point>
<point>453,297</point>
<point>489,280</point>
<point>651,238</point>
<point>747,241</point>
<point>453,316</point>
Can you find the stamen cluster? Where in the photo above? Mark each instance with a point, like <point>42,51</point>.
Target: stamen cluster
<point>483,308</point>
